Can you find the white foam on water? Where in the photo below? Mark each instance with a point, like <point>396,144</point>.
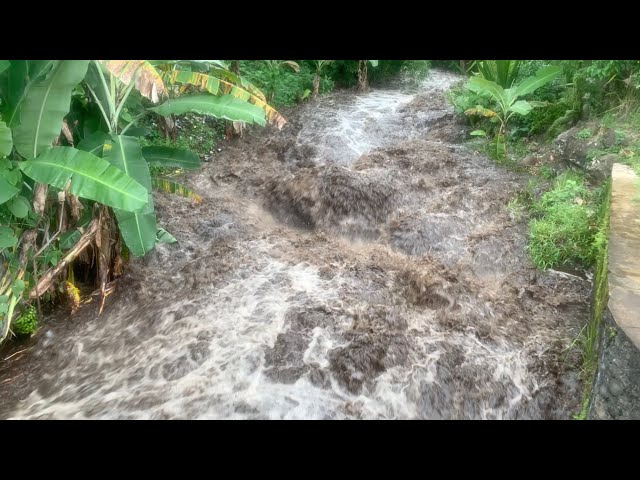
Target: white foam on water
<point>342,133</point>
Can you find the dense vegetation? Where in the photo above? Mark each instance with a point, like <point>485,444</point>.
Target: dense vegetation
<point>520,103</point>
<point>75,178</point>
<point>567,200</point>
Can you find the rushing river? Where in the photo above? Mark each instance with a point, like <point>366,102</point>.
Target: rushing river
<point>360,263</point>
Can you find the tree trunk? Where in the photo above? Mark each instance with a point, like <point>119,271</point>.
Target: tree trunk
<point>233,129</point>
<point>316,84</point>
<point>167,126</point>
<point>363,82</point>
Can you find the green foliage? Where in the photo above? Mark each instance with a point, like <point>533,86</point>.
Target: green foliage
<point>563,231</point>
<point>44,105</point>
<point>138,229</point>
<point>195,133</point>
<point>507,100</point>
<point>502,72</point>
<point>546,172</point>
<point>284,85</point>
<point>587,340</point>
<point>412,71</point>
<point>584,134</point>
<point>91,177</point>
<point>26,324</point>
<point>561,106</point>
<point>226,106</point>
<point>605,84</point>
<point>463,99</point>
<point>415,71</point>
<point>171,157</point>
<point>70,126</point>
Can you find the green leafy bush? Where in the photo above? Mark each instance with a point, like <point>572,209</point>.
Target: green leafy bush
<point>27,323</point>
<point>563,232</point>
<point>286,85</point>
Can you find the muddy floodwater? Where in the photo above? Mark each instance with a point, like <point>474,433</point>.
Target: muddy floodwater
<point>358,264</point>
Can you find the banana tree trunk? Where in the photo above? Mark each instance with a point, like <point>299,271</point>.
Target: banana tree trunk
<point>501,143</point>
<point>316,84</point>
<point>233,129</point>
<point>167,126</point>
<point>363,81</point>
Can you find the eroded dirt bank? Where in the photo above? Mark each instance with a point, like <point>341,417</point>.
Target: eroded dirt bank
<point>360,263</point>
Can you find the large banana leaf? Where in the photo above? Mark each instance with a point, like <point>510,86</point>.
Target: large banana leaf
<point>234,80</point>
<point>4,64</point>
<point>226,106</point>
<point>6,143</point>
<point>125,153</point>
<point>94,143</point>
<point>202,81</point>
<point>214,68</point>
<point>7,191</point>
<point>171,157</point>
<point>138,229</point>
<point>135,228</point>
<point>218,82</point>
<point>17,82</point>
<point>486,87</point>
<point>148,80</point>
<point>542,77</point>
<point>45,105</point>
<point>521,107</point>
<point>503,72</point>
<point>205,63</point>
<point>91,177</point>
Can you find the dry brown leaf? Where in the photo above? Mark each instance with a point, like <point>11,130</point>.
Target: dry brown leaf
<point>148,80</point>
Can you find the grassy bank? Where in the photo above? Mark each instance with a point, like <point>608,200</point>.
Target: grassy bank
<point>588,340</point>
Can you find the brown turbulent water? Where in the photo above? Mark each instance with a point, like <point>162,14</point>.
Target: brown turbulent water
<point>360,263</point>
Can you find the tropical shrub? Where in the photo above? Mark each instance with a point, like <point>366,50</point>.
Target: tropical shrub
<point>507,102</point>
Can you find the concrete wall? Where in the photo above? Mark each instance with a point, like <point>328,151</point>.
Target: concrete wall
<point>616,392</point>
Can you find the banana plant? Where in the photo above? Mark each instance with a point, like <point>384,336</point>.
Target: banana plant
<point>209,77</point>
<point>363,77</point>
<point>274,67</point>
<point>508,101</point>
<point>83,157</point>
<point>319,64</point>
<point>502,72</point>
<point>211,98</point>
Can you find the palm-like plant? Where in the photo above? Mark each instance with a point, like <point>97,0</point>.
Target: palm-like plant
<point>502,72</point>
<point>319,64</point>
<point>507,101</point>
